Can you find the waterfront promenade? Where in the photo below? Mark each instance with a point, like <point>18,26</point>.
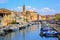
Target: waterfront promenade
<point>56,27</point>
<point>29,33</point>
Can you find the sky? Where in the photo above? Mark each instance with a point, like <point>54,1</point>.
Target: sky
<point>43,7</point>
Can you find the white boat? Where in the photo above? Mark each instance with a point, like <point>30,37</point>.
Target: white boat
<point>2,32</point>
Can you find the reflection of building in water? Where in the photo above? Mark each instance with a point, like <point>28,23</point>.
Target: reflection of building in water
<point>24,34</point>
<point>33,28</point>
<point>10,36</point>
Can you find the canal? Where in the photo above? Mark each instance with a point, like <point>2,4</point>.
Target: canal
<point>29,33</point>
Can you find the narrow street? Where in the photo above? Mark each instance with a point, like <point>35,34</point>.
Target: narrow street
<point>29,33</point>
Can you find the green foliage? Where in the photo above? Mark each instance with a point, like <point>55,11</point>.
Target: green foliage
<point>58,17</point>
<point>13,22</point>
<point>0,21</point>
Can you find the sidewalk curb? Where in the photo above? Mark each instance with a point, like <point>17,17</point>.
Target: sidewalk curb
<point>55,29</point>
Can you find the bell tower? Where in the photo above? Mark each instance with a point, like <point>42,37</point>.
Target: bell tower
<point>24,10</point>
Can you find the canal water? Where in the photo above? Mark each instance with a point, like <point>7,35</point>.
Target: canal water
<point>29,33</point>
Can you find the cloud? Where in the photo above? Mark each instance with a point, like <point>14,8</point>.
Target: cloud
<point>42,11</point>
<point>20,8</point>
<point>3,1</point>
<point>47,11</point>
<point>27,8</point>
<point>30,8</point>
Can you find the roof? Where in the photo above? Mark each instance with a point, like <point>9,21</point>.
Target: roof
<point>5,11</point>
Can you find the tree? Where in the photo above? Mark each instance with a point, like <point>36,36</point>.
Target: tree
<point>13,22</point>
<point>0,21</point>
<point>58,17</point>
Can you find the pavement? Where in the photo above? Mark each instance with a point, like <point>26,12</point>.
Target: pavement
<point>56,27</point>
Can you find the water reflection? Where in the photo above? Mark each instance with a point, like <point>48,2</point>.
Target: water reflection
<point>30,33</point>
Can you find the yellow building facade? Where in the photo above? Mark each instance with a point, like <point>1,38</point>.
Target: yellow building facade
<point>8,19</point>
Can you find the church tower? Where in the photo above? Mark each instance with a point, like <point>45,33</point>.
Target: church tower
<point>24,10</point>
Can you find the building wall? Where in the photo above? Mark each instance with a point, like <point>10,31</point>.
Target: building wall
<point>43,18</point>
<point>40,17</point>
<point>33,15</point>
<point>30,15</point>
<point>8,18</point>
